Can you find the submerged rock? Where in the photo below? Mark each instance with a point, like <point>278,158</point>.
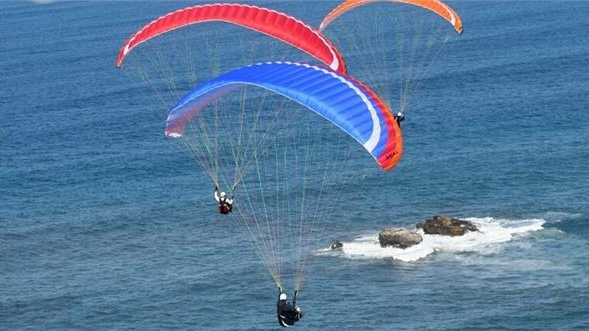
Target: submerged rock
<point>446,225</point>
<point>337,245</point>
<point>398,237</point>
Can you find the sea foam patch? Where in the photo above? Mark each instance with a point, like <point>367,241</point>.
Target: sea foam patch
<point>491,232</point>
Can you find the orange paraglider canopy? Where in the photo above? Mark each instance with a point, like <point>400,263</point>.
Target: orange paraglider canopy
<point>435,6</point>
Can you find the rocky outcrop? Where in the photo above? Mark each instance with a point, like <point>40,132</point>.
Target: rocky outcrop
<point>446,225</point>
<point>337,245</point>
<point>398,237</point>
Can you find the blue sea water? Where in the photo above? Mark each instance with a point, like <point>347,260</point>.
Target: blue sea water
<point>103,226</point>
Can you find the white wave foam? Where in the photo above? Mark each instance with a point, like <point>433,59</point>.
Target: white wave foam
<point>491,232</point>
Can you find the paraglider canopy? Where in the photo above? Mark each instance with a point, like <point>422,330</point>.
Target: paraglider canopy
<point>345,102</point>
<point>394,42</point>
<point>270,22</point>
<point>438,7</point>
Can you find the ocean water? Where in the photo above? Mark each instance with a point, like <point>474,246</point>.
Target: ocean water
<point>104,226</point>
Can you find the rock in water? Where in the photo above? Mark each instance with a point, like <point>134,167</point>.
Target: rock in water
<point>446,225</point>
<point>337,245</point>
<point>398,237</point>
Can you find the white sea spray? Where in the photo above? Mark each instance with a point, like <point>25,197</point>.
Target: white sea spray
<point>492,232</point>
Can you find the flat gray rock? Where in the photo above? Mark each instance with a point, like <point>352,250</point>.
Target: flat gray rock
<point>398,237</point>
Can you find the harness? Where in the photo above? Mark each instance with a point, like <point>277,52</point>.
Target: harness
<point>282,322</point>
<point>224,206</point>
